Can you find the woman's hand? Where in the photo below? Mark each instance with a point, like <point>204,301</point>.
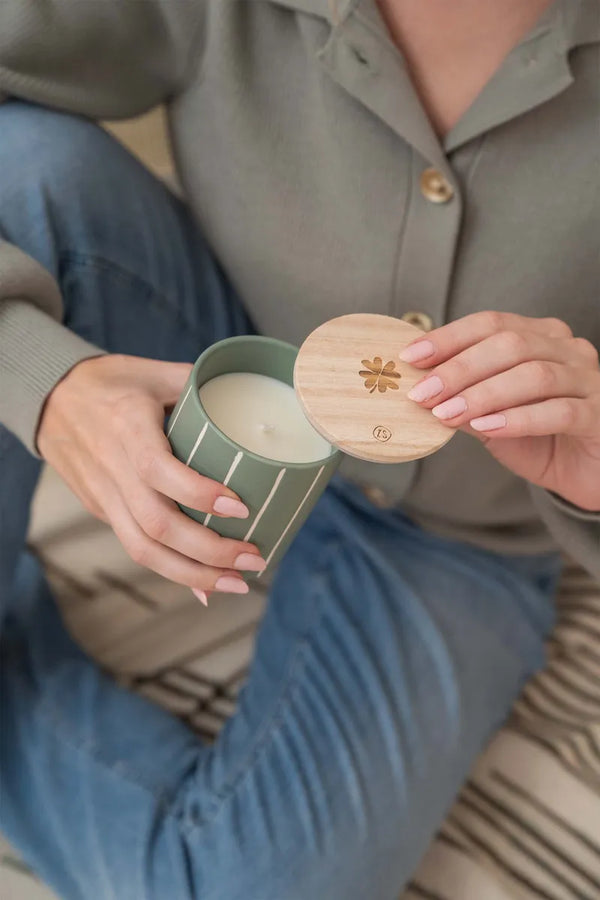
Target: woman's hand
<point>102,430</point>
<point>527,388</point>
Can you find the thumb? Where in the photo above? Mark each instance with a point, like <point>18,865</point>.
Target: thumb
<point>166,380</point>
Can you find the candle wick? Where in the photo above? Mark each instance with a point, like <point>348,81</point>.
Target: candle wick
<point>267,428</point>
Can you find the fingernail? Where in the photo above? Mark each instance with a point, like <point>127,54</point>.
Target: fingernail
<point>426,389</point>
<point>488,423</point>
<point>227,506</point>
<point>450,408</point>
<point>250,562</point>
<point>418,351</point>
<point>201,596</point>
<point>231,585</point>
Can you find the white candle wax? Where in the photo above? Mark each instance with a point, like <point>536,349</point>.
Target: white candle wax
<point>263,415</point>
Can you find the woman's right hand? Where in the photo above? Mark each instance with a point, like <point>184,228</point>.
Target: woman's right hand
<point>102,430</point>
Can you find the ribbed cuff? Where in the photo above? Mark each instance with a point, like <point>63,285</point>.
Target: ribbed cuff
<point>576,530</point>
<point>35,353</point>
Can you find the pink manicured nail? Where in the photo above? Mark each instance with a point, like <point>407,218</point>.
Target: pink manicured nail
<point>231,585</point>
<point>426,389</point>
<point>417,351</point>
<point>201,596</point>
<point>488,423</point>
<point>250,562</point>
<point>227,506</point>
<point>450,408</point>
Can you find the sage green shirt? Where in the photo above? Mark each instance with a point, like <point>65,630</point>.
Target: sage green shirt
<point>301,146</point>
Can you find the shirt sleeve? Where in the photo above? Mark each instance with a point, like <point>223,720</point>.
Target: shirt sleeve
<point>36,351</point>
<point>103,59</point>
<point>576,530</point>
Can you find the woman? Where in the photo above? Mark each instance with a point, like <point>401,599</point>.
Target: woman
<point>428,160</point>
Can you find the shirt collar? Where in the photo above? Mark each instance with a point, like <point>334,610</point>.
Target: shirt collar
<point>360,56</point>
<point>580,20</point>
<point>536,70</point>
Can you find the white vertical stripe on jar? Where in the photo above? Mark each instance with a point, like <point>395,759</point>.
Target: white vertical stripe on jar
<point>236,461</point>
<point>181,405</point>
<point>197,444</point>
<point>270,496</point>
<point>292,520</point>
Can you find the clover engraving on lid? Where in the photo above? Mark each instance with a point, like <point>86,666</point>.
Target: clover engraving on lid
<point>379,376</point>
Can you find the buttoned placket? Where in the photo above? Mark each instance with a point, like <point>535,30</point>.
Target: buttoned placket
<point>370,68</point>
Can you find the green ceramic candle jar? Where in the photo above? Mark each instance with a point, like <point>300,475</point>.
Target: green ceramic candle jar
<point>279,493</point>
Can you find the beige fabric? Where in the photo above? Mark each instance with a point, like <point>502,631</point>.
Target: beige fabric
<point>146,136</point>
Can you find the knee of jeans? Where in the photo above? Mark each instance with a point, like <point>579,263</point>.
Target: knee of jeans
<point>53,165</point>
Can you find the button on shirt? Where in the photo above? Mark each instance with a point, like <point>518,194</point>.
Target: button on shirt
<point>316,175</point>
<point>418,319</point>
<point>435,187</point>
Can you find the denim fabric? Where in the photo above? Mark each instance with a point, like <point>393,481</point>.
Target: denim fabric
<point>386,658</point>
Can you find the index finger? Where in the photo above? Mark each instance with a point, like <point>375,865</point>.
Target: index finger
<point>448,340</point>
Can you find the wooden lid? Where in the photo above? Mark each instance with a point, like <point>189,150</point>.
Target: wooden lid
<point>352,387</point>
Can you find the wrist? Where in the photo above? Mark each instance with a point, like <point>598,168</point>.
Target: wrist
<point>58,398</point>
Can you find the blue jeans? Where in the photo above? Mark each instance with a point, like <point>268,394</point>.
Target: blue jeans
<point>386,658</point>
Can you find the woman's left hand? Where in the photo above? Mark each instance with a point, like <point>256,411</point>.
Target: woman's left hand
<point>525,387</point>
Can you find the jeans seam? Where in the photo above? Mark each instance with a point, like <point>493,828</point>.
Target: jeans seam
<point>76,259</point>
<point>270,726</point>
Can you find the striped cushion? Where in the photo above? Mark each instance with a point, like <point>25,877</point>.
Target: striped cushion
<point>527,823</point>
